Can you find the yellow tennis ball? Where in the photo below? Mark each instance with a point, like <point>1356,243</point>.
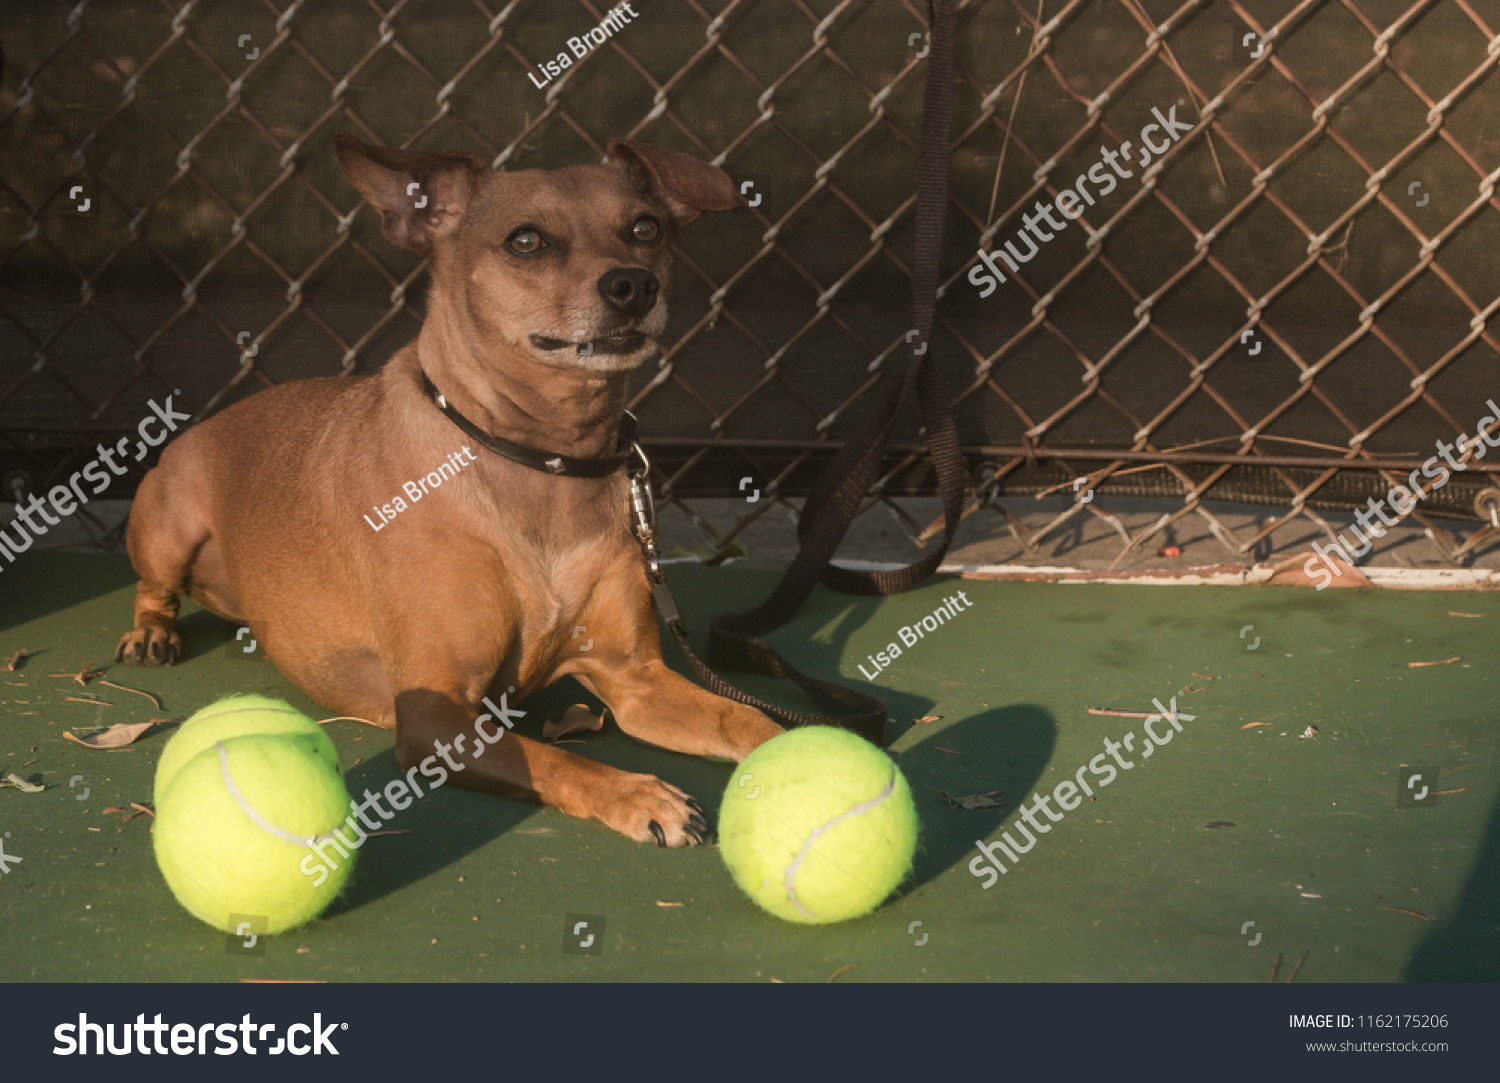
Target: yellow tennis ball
<point>237,826</point>
<point>818,825</point>
<point>235,716</point>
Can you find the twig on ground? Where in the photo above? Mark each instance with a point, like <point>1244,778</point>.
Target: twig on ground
<point>1298,967</point>
<point>1401,910</point>
<point>137,691</point>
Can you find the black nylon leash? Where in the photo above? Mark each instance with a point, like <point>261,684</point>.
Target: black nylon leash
<point>734,640</point>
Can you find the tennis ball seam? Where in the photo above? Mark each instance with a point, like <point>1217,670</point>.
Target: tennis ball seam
<point>223,846</point>
<point>256,818</point>
<point>858,810</point>
<point>256,710</point>
<point>234,717</point>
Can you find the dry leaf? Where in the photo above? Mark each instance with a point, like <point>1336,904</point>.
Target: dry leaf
<point>1292,572</point>
<point>972,801</point>
<point>575,719</point>
<point>1252,725</point>
<point>116,736</point>
<point>17,660</point>
<point>929,718</point>
<point>15,781</point>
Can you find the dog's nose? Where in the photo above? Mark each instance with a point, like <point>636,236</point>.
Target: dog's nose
<point>631,290</point>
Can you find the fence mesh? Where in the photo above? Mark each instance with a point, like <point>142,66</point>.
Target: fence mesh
<point>1282,297</point>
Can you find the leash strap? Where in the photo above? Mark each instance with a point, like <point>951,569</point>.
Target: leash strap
<point>734,640</point>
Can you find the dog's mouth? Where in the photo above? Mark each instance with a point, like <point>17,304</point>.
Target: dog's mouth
<point>622,342</point>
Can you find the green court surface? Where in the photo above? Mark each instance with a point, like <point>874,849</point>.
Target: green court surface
<point>1275,804</point>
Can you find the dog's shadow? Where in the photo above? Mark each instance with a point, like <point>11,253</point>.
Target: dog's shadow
<point>447,823</point>
<point>431,834</point>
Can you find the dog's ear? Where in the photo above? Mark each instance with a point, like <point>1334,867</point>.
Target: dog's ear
<point>685,186</point>
<point>419,196</point>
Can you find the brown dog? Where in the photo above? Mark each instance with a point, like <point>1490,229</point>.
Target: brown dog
<point>398,570</point>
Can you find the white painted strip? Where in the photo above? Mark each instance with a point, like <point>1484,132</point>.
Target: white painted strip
<point>1207,575</point>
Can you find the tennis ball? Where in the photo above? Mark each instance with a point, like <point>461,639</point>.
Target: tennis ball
<point>818,825</point>
<point>239,821</point>
<point>235,716</point>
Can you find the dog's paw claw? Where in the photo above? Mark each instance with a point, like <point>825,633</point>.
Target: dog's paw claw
<point>647,809</point>
<point>149,647</point>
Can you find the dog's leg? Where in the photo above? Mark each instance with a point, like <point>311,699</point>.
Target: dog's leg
<point>348,682</point>
<point>656,705</point>
<point>437,732</point>
<point>162,540</point>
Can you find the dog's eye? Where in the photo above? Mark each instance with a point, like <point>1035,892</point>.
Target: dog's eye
<point>524,242</point>
<point>646,229</point>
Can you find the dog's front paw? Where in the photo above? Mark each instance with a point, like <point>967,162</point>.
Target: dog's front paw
<point>149,646</point>
<point>649,810</point>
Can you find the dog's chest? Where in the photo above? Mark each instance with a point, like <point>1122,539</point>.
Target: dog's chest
<point>577,552</point>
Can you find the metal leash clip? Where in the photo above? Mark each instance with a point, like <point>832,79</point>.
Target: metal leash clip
<point>643,509</point>
<point>643,514</point>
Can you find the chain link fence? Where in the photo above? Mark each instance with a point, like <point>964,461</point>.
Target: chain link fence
<point>1283,301</point>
